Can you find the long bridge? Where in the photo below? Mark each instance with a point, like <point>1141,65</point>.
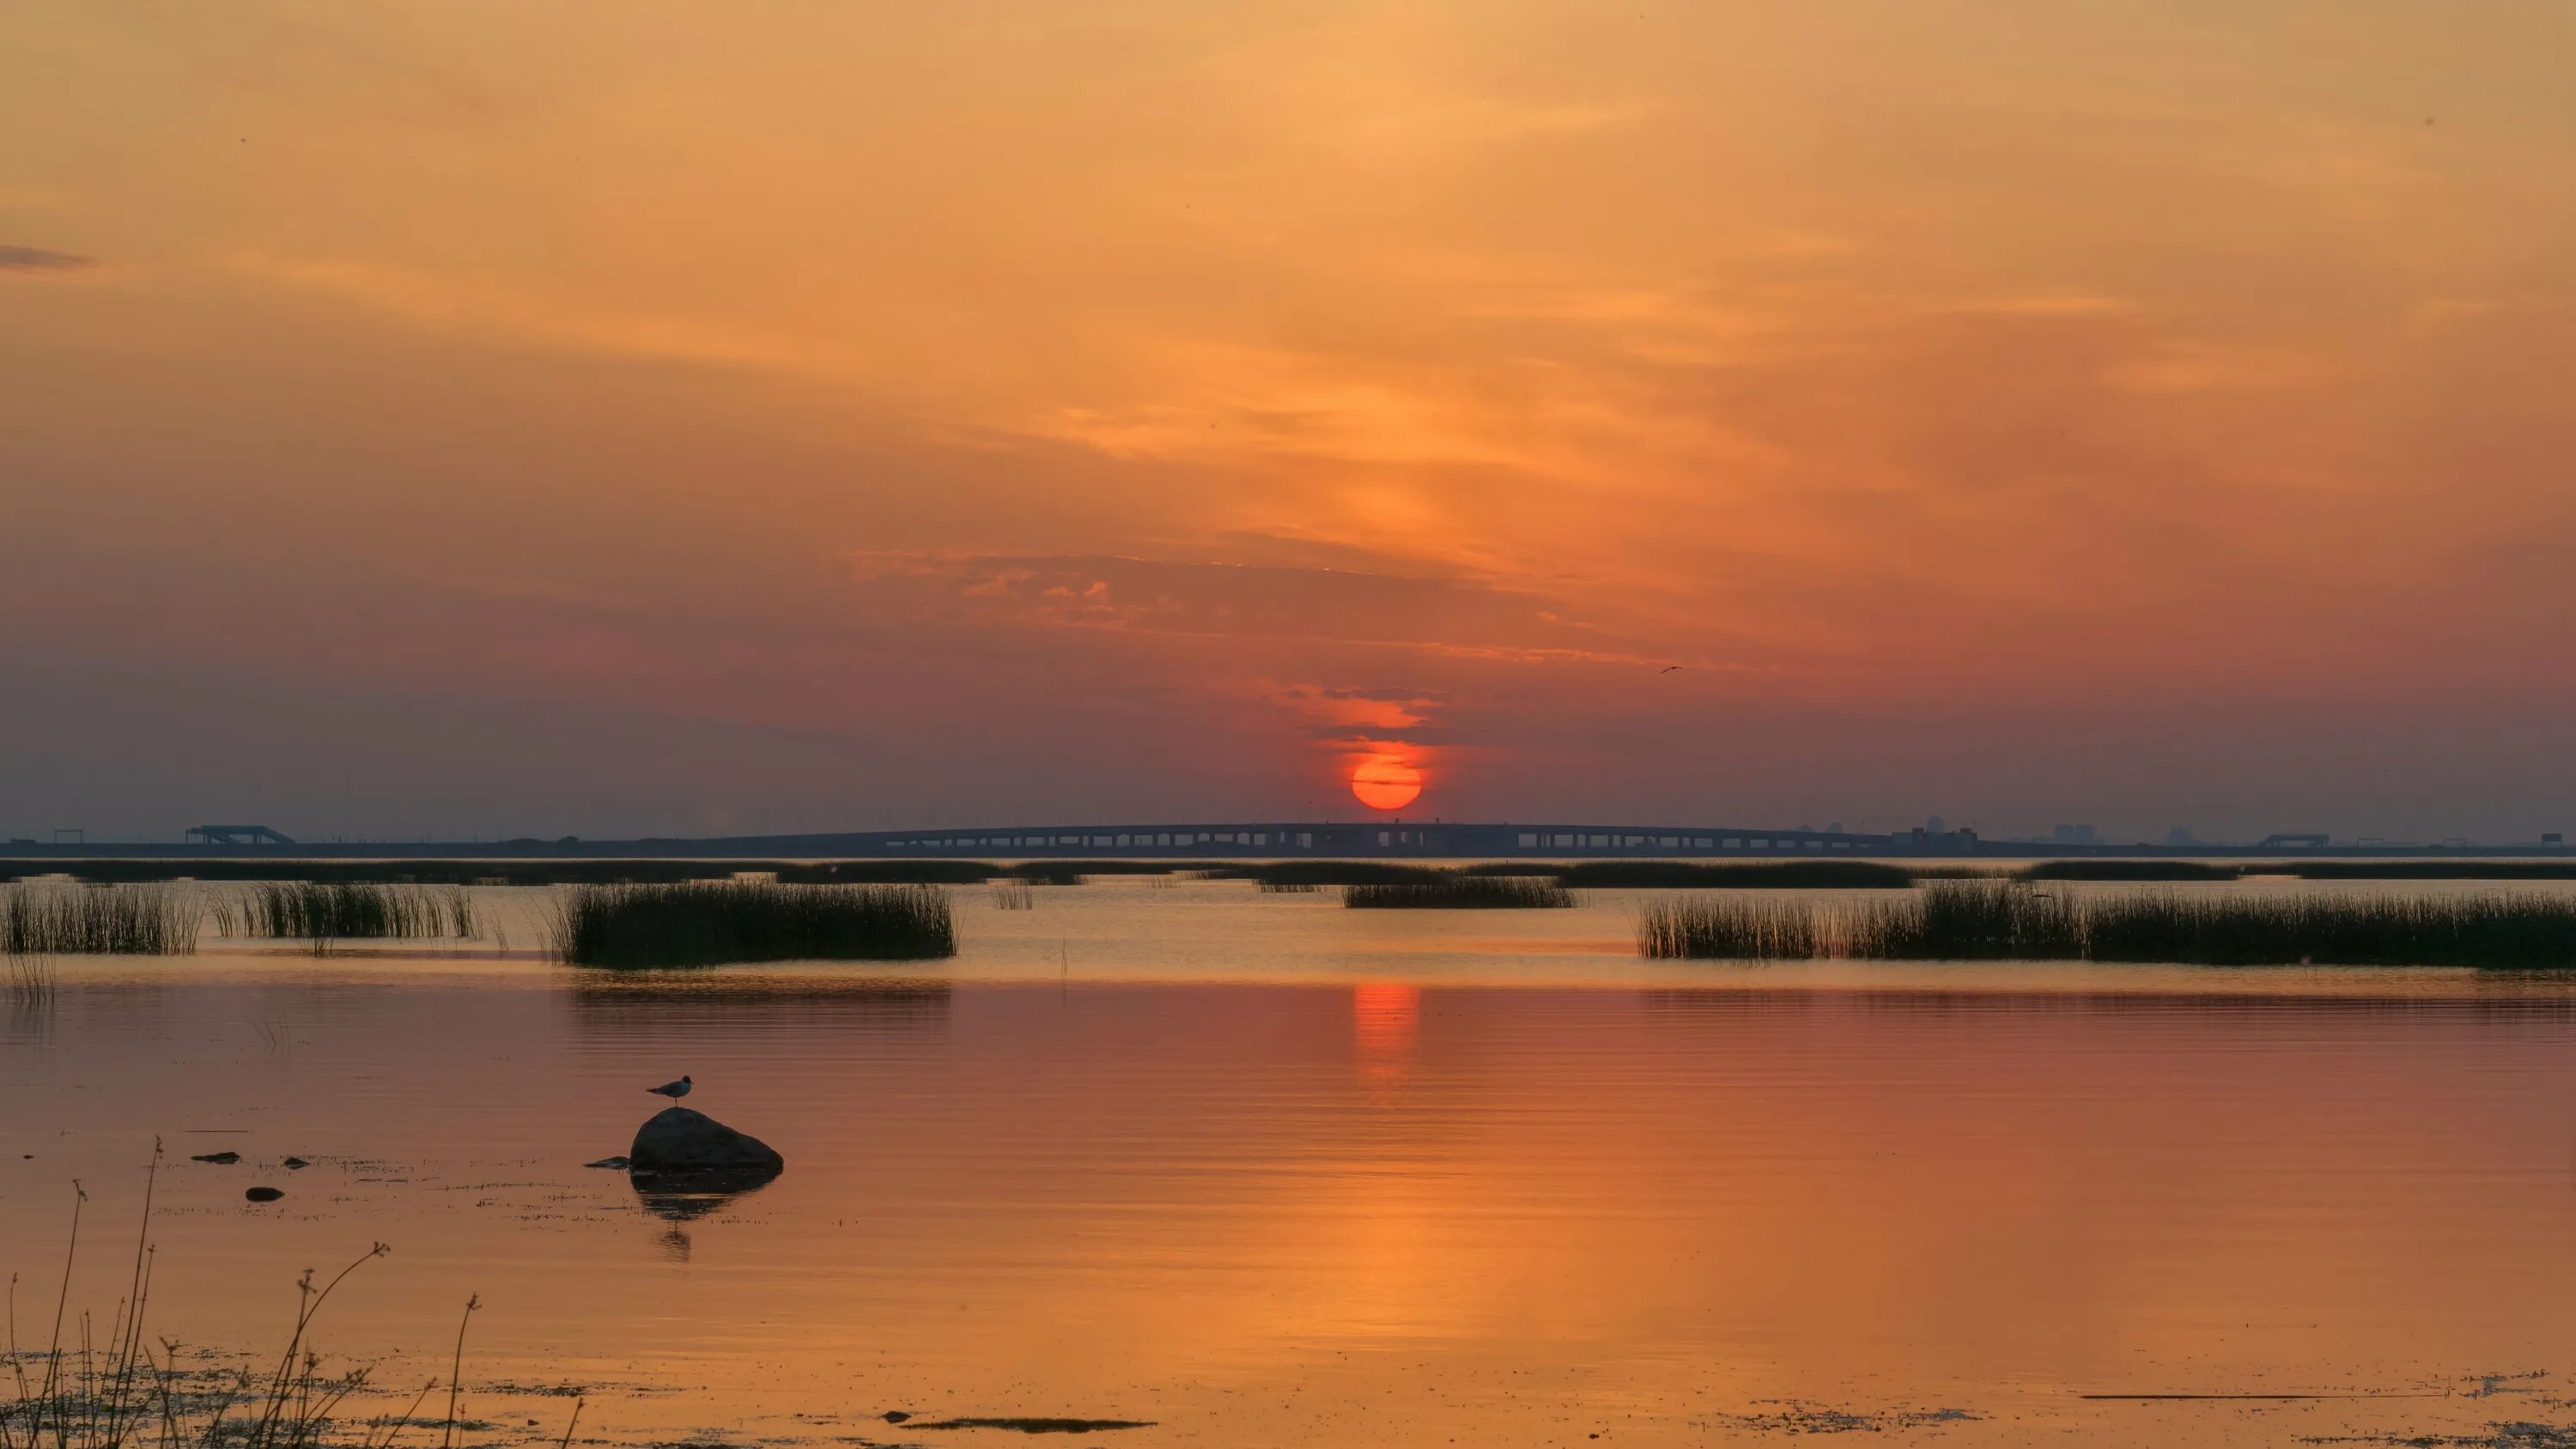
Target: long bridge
<point>1255,839</point>
<point>1335,839</point>
<point>1238,839</point>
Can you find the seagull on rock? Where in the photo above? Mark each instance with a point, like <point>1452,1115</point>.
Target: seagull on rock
<point>673,1090</point>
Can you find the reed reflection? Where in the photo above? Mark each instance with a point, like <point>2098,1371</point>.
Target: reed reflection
<point>615,1006</point>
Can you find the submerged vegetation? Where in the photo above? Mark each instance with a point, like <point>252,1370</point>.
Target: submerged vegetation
<point>38,920</point>
<point>314,911</point>
<point>1462,892</point>
<point>711,923</point>
<point>2012,920</point>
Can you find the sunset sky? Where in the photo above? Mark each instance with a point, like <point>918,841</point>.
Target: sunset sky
<point>607,417</point>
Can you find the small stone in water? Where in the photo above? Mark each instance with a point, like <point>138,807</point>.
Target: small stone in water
<point>264,1194</point>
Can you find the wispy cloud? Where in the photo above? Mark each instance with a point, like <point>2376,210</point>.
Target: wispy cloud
<point>1463,617</point>
<point>39,260</point>
<point>439,302</point>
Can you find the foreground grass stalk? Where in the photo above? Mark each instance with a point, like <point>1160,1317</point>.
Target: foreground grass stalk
<point>115,1391</point>
<point>456,1369</point>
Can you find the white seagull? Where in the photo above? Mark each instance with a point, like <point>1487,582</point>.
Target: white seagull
<point>673,1090</point>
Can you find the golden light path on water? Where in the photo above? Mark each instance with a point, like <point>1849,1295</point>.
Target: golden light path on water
<point>1263,1171</point>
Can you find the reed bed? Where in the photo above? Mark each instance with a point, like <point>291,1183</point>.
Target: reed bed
<point>1756,930</point>
<point>2012,920</point>
<point>1462,893</point>
<point>1966,921</point>
<point>1047,872</point>
<point>38,920</point>
<point>707,924</point>
<point>2496,931</point>
<point>1327,873</point>
<point>318,911</point>
<point>1734,875</point>
<point>2420,869</point>
<point>878,872</point>
<point>2129,870</point>
<point>1014,895</point>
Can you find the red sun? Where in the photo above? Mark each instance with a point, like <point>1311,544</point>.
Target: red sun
<point>1385,782</point>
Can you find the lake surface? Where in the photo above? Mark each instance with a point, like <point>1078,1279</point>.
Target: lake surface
<point>1268,1172</point>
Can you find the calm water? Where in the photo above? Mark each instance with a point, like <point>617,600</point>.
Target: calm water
<point>1264,1172</point>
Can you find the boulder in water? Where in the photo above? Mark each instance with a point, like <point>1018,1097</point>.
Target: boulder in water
<point>678,1140</point>
<point>263,1194</point>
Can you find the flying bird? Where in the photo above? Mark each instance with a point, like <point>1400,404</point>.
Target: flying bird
<point>1667,669</point>
<point>673,1090</point>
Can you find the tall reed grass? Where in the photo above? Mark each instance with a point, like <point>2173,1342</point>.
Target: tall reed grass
<point>2013,920</point>
<point>2493,930</point>
<point>706,924</point>
<point>319,911</point>
<point>46,920</point>
<point>1462,893</point>
<point>1747,930</point>
<point>1966,921</point>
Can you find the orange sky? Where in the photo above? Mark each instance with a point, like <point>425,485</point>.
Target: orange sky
<point>600,417</point>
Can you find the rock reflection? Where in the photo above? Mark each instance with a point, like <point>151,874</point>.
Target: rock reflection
<point>685,1197</point>
<point>681,1198</point>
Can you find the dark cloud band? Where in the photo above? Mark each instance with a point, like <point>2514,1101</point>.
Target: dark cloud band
<point>37,259</point>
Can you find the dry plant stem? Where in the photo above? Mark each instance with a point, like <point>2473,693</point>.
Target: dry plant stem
<point>457,1368</point>
<point>404,1422</point>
